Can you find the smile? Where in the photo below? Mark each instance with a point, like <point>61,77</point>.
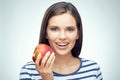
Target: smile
<point>62,45</point>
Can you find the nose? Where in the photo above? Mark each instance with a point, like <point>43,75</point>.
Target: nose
<point>62,35</point>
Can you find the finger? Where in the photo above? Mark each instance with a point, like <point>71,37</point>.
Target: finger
<point>45,58</point>
<point>50,60</point>
<point>38,59</point>
<point>53,59</point>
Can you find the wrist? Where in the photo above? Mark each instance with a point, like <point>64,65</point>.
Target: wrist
<point>47,77</point>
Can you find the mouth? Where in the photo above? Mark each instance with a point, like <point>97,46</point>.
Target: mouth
<point>62,45</point>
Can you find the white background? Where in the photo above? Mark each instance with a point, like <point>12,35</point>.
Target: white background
<point>20,25</point>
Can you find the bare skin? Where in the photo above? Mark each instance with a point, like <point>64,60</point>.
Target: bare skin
<point>45,68</point>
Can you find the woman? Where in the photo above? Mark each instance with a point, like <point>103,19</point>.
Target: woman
<point>61,29</point>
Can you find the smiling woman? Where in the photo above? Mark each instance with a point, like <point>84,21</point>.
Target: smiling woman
<point>62,30</point>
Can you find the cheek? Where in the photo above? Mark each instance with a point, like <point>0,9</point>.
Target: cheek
<point>73,36</point>
<point>73,39</point>
<point>51,36</point>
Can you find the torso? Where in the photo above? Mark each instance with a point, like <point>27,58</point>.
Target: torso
<point>86,70</point>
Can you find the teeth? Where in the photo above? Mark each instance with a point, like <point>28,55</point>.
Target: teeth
<point>63,44</point>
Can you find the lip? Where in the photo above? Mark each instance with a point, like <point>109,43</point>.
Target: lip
<point>62,45</point>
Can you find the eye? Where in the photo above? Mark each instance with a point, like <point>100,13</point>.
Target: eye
<point>53,28</point>
<point>70,29</point>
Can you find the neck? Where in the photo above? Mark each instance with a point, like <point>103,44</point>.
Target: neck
<point>66,64</point>
<point>64,60</point>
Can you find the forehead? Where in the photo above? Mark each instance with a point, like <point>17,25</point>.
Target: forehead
<point>65,19</point>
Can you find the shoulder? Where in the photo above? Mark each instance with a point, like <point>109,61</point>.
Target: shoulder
<point>28,67</point>
<point>90,67</point>
<point>28,71</point>
<point>87,63</point>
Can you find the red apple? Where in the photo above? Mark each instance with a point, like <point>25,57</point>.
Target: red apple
<point>41,49</point>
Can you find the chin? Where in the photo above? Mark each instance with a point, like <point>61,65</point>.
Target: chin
<point>62,52</point>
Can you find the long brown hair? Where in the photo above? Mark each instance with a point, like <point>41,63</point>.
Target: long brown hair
<point>57,9</point>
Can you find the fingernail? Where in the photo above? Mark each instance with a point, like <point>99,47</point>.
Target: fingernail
<point>39,54</point>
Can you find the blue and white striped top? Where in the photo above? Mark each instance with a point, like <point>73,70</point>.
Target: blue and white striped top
<point>88,70</point>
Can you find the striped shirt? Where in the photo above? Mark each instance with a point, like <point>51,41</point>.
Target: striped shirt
<point>88,70</point>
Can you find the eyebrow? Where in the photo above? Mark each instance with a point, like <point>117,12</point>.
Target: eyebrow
<point>59,26</point>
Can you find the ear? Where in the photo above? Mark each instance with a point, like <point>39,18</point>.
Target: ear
<point>46,36</point>
<point>77,37</point>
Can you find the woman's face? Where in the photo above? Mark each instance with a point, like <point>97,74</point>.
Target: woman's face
<point>62,33</point>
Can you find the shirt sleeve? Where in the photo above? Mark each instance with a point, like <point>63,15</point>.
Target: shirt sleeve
<point>99,74</point>
<point>24,74</point>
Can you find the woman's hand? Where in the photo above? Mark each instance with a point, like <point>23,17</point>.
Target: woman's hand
<point>44,66</point>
